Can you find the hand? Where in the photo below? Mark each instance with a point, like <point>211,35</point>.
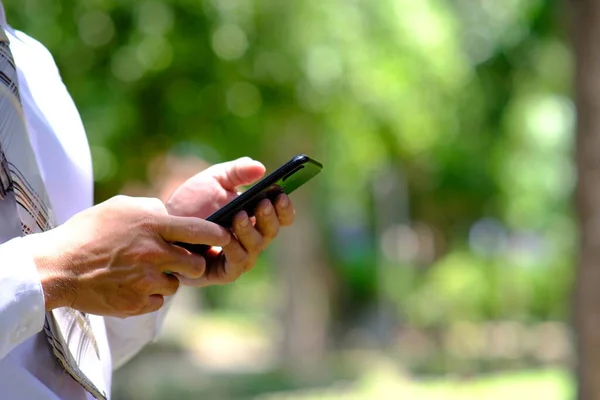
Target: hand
<point>110,259</point>
<point>210,190</point>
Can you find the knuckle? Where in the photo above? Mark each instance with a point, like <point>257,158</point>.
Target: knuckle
<point>192,230</point>
<point>197,268</point>
<point>232,267</point>
<point>258,243</point>
<point>126,202</point>
<point>233,275</point>
<point>120,198</point>
<point>149,203</point>
<point>155,204</point>
<point>135,306</point>
<point>118,201</point>
<point>240,258</point>
<point>172,287</point>
<point>237,256</point>
<point>146,283</point>
<point>271,233</point>
<point>155,254</point>
<point>147,222</point>
<point>154,305</point>
<point>149,253</point>
<point>230,278</point>
<point>148,211</point>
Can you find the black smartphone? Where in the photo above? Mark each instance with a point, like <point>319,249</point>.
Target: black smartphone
<point>285,179</point>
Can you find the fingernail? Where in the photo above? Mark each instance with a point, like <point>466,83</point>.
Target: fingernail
<point>268,210</point>
<point>284,202</point>
<point>245,222</point>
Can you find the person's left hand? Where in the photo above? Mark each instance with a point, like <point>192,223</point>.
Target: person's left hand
<point>211,189</point>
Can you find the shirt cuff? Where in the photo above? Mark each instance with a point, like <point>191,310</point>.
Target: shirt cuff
<point>22,307</point>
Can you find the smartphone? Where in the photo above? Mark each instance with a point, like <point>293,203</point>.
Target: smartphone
<point>289,177</point>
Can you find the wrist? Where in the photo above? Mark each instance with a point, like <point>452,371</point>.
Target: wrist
<point>53,268</point>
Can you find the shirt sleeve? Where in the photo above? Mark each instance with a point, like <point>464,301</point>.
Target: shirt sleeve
<point>22,307</point>
<point>127,336</point>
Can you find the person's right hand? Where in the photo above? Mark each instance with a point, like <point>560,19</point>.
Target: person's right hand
<point>110,259</point>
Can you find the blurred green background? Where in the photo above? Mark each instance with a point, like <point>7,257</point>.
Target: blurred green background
<point>432,258</point>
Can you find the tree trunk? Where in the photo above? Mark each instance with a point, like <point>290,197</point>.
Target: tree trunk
<point>586,36</point>
<point>303,275</point>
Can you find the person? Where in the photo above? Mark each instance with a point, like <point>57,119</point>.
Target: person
<point>111,268</point>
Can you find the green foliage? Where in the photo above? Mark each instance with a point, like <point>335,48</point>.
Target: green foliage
<point>470,100</point>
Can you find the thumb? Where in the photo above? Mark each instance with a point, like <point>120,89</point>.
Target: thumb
<point>242,171</point>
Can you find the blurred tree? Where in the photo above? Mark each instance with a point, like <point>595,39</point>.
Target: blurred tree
<point>469,99</point>
<point>586,36</point>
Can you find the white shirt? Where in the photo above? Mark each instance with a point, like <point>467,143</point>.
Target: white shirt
<point>28,369</point>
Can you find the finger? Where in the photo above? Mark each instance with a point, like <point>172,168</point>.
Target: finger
<point>236,258</point>
<point>247,235</point>
<point>226,267</point>
<point>191,230</point>
<point>151,304</point>
<point>184,263</point>
<point>155,303</point>
<point>167,285</point>
<point>183,281</point>
<point>267,222</point>
<point>242,171</point>
<point>285,210</point>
